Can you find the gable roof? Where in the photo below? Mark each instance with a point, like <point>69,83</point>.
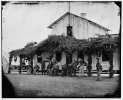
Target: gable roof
<point>55,22</point>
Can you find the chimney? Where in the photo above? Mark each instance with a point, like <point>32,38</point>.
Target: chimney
<point>83,15</point>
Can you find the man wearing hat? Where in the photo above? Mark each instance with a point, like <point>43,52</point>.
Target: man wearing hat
<point>81,65</point>
<point>43,66</point>
<point>99,69</point>
<point>72,68</point>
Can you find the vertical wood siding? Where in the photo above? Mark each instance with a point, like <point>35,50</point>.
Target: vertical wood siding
<point>82,29</point>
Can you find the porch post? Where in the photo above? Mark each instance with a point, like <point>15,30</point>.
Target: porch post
<point>20,65</point>
<point>10,60</point>
<point>111,73</point>
<point>31,59</point>
<point>89,66</point>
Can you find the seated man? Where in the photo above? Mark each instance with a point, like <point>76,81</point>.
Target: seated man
<point>64,70</point>
<point>55,69</point>
<point>81,65</point>
<point>29,69</point>
<point>36,68</point>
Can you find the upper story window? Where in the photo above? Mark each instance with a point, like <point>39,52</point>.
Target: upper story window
<point>69,31</point>
<point>105,56</point>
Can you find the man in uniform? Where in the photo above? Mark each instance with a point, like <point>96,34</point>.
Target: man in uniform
<point>81,65</point>
<point>99,69</point>
<point>43,66</point>
<point>73,66</point>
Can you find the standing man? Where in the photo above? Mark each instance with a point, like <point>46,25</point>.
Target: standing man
<point>73,67</point>
<point>99,69</point>
<point>82,63</point>
<point>54,61</point>
<point>43,66</point>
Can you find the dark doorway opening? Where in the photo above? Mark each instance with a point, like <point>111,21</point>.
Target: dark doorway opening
<point>105,56</point>
<point>80,55</point>
<point>68,59</point>
<point>58,56</point>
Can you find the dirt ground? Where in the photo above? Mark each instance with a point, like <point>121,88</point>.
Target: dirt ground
<point>57,86</point>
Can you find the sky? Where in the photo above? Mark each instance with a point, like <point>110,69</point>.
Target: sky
<point>23,23</point>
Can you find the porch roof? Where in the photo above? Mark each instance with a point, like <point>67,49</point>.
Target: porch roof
<point>64,43</point>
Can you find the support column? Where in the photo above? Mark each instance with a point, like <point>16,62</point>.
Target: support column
<point>111,72</point>
<point>89,66</point>
<point>31,59</point>
<point>20,65</point>
<point>10,60</point>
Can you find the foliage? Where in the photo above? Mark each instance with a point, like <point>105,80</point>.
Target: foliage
<point>68,44</point>
<point>30,44</point>
<point>24,51</point>
<point>61,43</point>
<point>50,56</point>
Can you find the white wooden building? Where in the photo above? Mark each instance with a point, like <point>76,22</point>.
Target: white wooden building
<point>82,28</point>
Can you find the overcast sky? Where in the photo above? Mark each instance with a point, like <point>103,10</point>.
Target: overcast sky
<point>24,23</point>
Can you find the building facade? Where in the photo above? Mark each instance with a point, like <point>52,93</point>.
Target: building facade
<point>80,28</point>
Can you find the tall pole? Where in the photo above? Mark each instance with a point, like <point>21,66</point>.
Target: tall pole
<point>69,8</point>
<point>69,13</point>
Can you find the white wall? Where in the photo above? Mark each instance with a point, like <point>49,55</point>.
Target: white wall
<point>63,60</point>
<point>34,60</point>
<point>81,28</point>
<point>60,27</point>
<point>105,64</point>
<point>17,62</point>
<point>116,60</point>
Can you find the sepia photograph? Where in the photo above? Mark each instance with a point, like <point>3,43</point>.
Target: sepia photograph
<point>61,49</point>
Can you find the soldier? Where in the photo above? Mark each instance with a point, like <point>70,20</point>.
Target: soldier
<point>54,61</point>
<point>73,66</point>
<point>28,69</point>
<point>55,69</point>
<point>99,69</point>
<point>63,70</point>
<point>82,63</point>
<point>36,69</point>
<point>43,66</point>
<point>49,66</point>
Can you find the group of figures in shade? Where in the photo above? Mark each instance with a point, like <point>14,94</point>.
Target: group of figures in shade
<point>70,70</point>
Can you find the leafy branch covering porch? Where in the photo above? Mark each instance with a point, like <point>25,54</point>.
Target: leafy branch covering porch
<point>69,45</point>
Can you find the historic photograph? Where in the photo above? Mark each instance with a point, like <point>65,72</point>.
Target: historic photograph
<point>61,49</point>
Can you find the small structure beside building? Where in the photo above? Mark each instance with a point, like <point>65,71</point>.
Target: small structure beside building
<point>5,65</point>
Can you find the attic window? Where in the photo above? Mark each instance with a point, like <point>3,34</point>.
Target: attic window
<point>69,31</point>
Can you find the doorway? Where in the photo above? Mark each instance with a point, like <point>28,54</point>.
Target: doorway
<point>68,59</point>
<point>80,55</point>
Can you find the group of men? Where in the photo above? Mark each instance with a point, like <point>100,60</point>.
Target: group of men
<point>73,67</point>
<point>82,64</point>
